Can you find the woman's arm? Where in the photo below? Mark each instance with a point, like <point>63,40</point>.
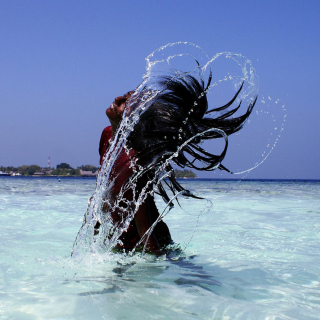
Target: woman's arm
<point>146,215</point>
<point>143,223</point>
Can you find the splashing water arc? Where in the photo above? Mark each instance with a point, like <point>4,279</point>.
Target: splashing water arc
<point>173,61</point>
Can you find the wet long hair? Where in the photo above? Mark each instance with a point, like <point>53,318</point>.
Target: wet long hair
<point>176,122</point>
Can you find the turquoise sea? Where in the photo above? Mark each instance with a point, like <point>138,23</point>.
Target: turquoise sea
<point>254,254</point>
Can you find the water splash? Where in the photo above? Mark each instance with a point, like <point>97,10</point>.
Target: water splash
<point>174,61</point>
<point>258,139</point>
<point>271,119</point>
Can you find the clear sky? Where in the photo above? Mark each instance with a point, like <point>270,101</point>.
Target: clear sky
<point>63,62</point>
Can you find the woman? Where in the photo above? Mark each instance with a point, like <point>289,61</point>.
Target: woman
<point>147,214</point>
<point>172,124</point>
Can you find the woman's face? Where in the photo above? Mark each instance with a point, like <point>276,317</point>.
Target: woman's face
<point>115,111</point>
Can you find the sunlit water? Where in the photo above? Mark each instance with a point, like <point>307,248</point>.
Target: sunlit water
<point>254,255</point>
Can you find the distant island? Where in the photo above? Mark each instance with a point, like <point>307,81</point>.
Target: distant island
<point>64,169</point>
<point>184,174</point>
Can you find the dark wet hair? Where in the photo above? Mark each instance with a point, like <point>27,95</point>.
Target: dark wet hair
<point>178,114</point>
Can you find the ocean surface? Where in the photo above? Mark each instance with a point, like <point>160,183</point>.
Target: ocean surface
<point>252,251</point>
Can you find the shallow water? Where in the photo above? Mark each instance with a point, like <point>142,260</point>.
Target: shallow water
<point>254,255</point>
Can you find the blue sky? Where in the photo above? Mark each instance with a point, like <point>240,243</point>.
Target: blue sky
<point>63,62</point>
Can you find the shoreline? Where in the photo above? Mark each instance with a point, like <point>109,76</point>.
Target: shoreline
<point>203,179</point>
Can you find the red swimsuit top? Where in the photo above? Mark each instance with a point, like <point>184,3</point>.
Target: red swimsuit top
<point>122,171</point>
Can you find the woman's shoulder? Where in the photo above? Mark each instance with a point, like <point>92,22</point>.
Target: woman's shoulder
<point>107,131</point>
<point>106,135</point>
